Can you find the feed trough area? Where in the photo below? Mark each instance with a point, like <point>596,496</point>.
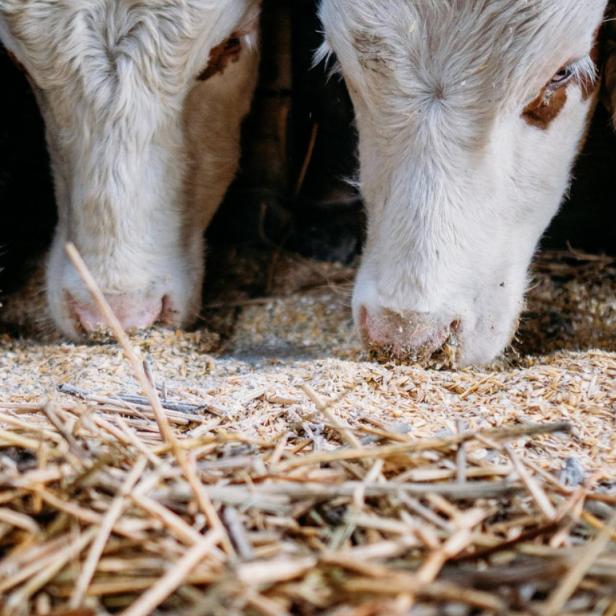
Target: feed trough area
<point>263,464</point>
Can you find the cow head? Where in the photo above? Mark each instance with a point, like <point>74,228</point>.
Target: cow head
<point>142,104</point>
<point>470,115</point>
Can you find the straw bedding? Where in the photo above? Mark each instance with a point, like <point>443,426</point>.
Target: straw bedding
<point>265,466</point>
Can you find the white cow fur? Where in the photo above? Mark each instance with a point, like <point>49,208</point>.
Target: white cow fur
<point>458,186</point>
<point>142,153</point>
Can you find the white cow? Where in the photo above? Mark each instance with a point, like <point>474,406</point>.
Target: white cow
<point>143,103</point>
<point>470,114</point>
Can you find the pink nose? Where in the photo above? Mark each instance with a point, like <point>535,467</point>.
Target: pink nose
<point>410,336</point>
<point>133,312</point>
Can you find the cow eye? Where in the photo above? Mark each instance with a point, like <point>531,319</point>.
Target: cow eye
<point>221,56</point>
<point>563,76</point>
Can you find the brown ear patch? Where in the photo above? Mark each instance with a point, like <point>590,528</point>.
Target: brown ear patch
<point>221,56</point>
<point>545,108</point>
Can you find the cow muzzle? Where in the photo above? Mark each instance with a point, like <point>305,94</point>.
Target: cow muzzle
<point>409,336</point>
<point>133,311</point>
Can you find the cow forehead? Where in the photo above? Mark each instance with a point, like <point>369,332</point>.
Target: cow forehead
<point>93,39</point>
<point>488,18</point>
<point>181,17</point>
<point>480,56</point>
<point>449,35</point>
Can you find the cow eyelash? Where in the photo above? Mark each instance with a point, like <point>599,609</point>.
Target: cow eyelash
<point>580,70</point>
<point>563,76</point>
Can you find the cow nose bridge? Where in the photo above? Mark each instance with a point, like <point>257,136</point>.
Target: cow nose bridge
<point>408,335</point>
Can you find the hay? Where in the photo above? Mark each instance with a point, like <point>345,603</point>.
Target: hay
<point>325,483</point>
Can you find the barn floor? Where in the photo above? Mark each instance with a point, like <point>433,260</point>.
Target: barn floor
<point>293,475</point>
